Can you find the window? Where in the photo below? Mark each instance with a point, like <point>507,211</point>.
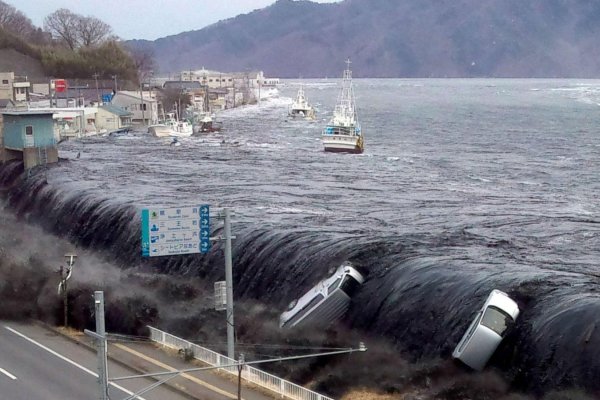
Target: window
<point>350,285</point>
<point>5,81</point>
<point>143,107</point>
<point>497,320</point>
<point>333,286</point>
<point>29,130</point>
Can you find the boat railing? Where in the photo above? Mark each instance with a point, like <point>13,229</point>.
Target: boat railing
<point>338,130</point>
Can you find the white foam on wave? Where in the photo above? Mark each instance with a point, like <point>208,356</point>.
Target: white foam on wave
<point>292,210</point>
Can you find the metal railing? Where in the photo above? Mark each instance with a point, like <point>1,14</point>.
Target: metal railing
<point>263,379</point>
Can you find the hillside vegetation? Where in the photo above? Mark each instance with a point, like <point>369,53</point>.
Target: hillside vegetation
<point>68,51</point>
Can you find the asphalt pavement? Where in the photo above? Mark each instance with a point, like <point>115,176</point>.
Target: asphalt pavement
<point>39,362</point>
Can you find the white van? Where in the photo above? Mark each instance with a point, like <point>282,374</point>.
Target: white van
<point>326,302</point>
<point>498,314</point>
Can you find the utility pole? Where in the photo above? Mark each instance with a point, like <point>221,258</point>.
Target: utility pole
<point>100,336</point>
<point>62,287</point>
<point>142,100</point>
<point>65,274</point>
<point>115,78</point>
<point>97,92</point>
<point>229,286</point>
<point>240,368</point>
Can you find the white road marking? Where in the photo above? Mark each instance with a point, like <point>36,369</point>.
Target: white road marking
<point>5,372</point>
<point>81,367</point>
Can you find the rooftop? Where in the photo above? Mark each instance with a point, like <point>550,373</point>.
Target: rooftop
<point>115,110</point>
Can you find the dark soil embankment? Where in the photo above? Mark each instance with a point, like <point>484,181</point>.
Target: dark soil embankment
<point>21,64</point>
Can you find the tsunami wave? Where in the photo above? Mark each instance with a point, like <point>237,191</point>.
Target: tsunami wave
<point>421,293</point>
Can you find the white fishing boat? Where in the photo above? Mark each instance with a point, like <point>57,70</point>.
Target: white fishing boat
<point>171,127</point>
<point>343,133</point>
<point>301,108</point>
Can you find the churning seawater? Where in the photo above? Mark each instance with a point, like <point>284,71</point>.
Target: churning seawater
<point>465,186</point>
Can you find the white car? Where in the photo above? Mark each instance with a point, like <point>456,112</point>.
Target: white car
<point>326,302</point>
<point>498,314</point>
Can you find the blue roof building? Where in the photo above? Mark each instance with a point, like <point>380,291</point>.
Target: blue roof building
<point>28,135</point>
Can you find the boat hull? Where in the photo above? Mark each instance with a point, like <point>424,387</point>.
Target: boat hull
<point>159,130</point>
<point>167,131</point>
<point>343,144</point>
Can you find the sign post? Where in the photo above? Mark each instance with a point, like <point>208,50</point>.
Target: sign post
<point>186,230</point>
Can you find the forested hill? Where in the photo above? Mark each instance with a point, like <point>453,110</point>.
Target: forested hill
<point>397,38</point>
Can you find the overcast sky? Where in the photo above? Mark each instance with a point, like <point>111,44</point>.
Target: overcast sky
<point>146,19</point>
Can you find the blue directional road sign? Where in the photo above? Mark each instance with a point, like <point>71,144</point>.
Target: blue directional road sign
<point>173,231</point>
<point>204,229</point>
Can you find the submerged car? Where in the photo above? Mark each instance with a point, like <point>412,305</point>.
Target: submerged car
<point>326,302</point>
<point>492,322</point>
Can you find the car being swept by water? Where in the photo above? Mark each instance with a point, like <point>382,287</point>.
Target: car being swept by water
<point>492,322</point>
<point>326,302</point>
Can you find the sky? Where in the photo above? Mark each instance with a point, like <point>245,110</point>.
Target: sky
<point>146,19</point>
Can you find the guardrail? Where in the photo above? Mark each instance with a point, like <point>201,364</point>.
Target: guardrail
<point>263,379</point>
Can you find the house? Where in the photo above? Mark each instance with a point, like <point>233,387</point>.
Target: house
<point>15,88</point>
<point>112,118</point>
<point>28,135</point>
<point>142,105</point>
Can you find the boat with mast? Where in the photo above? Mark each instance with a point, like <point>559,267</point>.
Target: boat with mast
<point>301,107</point>
<point>171,126</point>
<point>343,133</point>
<point>204,121</point>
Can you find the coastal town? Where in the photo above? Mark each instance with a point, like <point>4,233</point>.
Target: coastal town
<point>50,111</point>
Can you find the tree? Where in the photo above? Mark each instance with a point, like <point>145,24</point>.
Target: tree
<point>145,64</point>
<point>64,25</point>
<point>92,31</point>
<point>170,97</point>
<point>76,30</point>
<point>14,21</point>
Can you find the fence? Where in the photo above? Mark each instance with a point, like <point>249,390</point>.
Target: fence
<point>268,381</point>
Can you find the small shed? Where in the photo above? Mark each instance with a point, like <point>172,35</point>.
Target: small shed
<point>113,118</point>
<point>28,135</point>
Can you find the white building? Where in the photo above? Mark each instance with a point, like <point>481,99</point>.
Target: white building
<point>216,79</point>
<point>13,87</point>
<point>111,118</point>
<point>142,106</point>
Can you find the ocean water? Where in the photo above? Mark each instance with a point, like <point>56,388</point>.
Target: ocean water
<point>465,186</point>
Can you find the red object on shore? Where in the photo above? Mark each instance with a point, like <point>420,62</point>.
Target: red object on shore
<point>60,85</point>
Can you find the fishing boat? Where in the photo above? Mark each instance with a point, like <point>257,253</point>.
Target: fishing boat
<point>171,127</point>
<point>343,133</point>
<point>205,123</point>
<point>300,107</point>
<point>204,120</point>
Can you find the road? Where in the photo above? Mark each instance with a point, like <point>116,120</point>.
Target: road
<point>36,363</point>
